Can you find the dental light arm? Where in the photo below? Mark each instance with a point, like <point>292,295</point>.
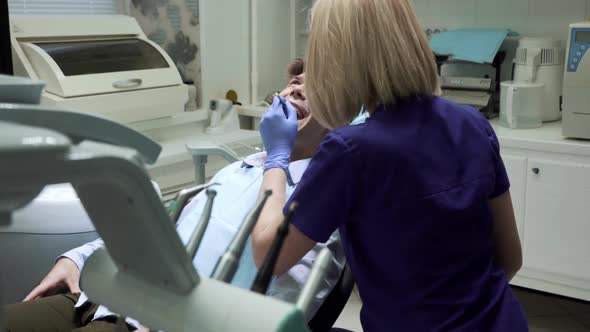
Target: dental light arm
<point>15,140</point>
<point>80,126</point>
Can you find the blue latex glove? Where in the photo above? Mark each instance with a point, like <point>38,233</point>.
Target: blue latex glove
<point>278,128</point>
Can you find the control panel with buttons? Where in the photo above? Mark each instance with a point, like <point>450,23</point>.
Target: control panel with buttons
<point>580,42</point>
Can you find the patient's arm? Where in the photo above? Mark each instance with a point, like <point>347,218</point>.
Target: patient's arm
<point>81,254</point>
<point>296,244</point>
<point>65,275</point>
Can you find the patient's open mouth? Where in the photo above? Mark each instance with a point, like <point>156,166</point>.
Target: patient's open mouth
<point>302,113</point>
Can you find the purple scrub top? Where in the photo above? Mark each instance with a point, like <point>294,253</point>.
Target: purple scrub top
<point>409,192</point>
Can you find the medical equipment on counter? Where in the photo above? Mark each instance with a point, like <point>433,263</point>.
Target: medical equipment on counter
<point>467,90</point>
<point>266,271</point>
<point>473,84</point>
<point>105,66</point>
<point>197,236</point>
<point>228,263</point>
<point>576,85</point>
<point>224,117</point>
<point>540,60</point>
<point>153,279</point>
<point>521,104</point>
<point>471,45</point>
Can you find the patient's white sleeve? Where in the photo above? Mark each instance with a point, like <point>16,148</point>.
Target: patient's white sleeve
<point>80,255</point>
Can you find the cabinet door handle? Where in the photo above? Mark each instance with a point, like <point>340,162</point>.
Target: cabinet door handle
<point>536,170</point>
<point>127,84</point>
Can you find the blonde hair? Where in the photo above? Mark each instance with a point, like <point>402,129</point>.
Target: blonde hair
<point>365,52</point>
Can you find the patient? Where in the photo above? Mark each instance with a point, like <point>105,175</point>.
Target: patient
<point>240,183</point>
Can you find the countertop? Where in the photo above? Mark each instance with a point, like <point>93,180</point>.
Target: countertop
<point>547,138</point>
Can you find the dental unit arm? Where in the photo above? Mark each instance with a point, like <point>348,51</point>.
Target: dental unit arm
<point>147,273</point>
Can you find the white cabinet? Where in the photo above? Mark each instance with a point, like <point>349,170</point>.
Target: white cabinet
<point>551,198</point>
<point>557,220</point>
<point>550,187</point>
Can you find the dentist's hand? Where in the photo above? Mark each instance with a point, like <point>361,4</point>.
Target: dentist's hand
<point>65,275</point>
<point>278,128</point>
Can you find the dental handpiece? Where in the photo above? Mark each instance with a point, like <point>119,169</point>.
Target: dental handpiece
<point>183,196</point>
<point>197,236</point>
<point>314,281</point>
<point>264,275</point>
<point>226,266</point>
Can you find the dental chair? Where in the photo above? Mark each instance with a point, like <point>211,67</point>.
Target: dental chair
<point>54,223</point>
<point>152,280</point>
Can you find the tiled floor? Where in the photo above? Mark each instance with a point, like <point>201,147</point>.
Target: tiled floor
<point>546,313</point>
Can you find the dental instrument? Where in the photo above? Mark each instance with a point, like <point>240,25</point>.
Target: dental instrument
<point>283,103</point>
<point>181,198</point>
<point>197,236</point>
<point>227,264</point>
<point>264,275</point>
<point>316,276</point>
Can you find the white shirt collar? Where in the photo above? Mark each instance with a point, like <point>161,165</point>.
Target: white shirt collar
<point>296,168</point>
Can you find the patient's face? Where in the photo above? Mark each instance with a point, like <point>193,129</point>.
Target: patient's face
<point>295,94</point>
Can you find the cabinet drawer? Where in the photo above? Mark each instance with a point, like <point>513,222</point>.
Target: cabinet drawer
<point>557,233</point>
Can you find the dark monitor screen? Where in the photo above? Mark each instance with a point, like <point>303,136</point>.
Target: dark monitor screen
<point>5,48</point>
<point>583,37</point>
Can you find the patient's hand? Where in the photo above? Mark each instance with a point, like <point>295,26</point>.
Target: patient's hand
<point>65,275</point>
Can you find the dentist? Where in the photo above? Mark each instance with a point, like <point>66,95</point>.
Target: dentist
<point>418,192</point>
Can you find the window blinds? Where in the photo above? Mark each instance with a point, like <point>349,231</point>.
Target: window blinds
<point>64,7</point>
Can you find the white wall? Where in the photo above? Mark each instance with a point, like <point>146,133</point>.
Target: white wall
<point>225,48</point>
<point>535,18</point>
<point>274,52</point>
<point>225,34</point>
